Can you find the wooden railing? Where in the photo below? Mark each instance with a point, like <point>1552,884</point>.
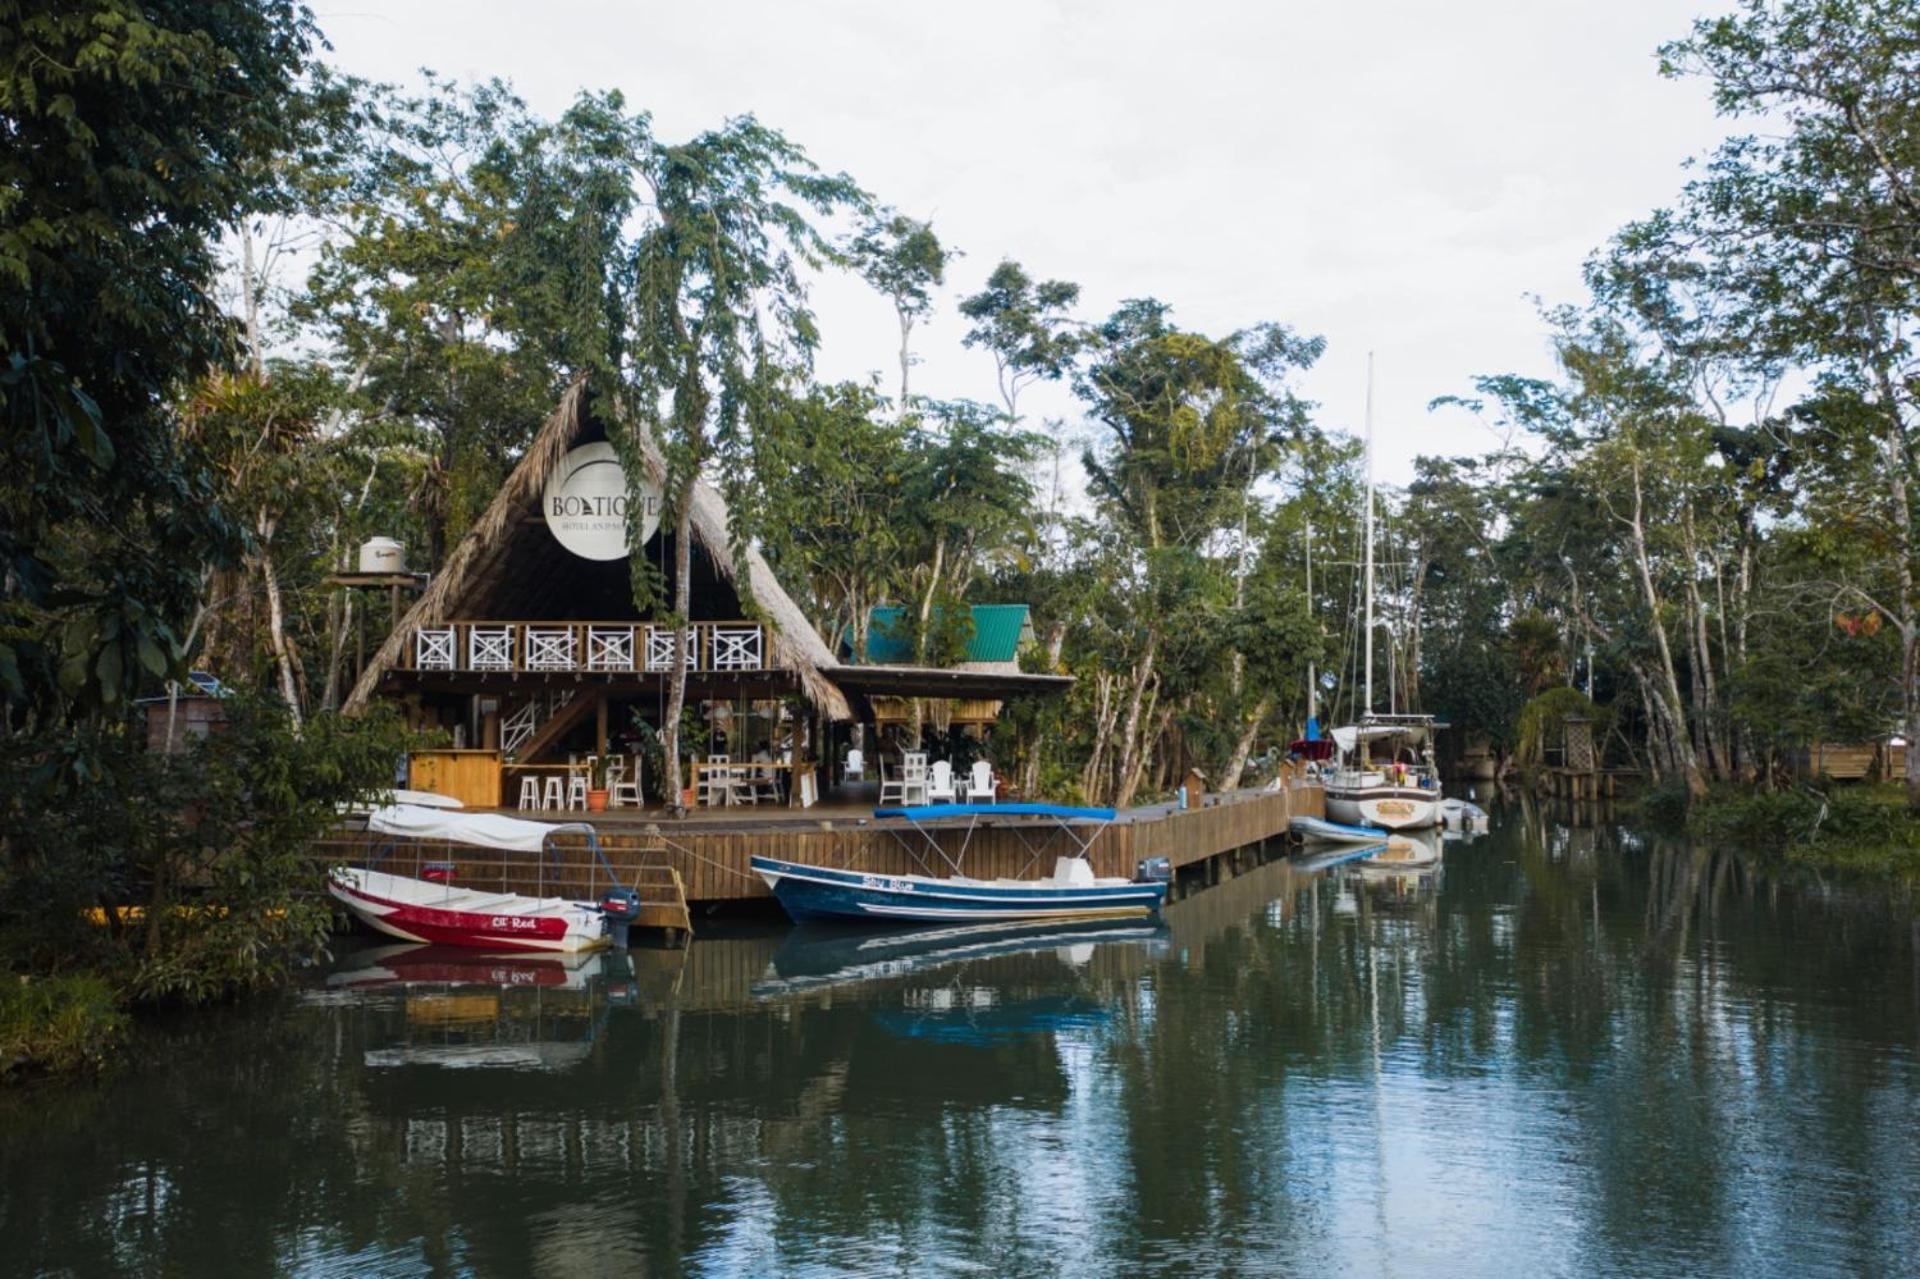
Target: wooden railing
<point>595,647</point>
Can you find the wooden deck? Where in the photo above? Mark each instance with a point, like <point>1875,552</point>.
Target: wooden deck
<point>710,848</point>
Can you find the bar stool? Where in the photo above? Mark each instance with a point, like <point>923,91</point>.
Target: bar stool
<point>529,792</point>
<point>576,790</point>
<point>556,796</point>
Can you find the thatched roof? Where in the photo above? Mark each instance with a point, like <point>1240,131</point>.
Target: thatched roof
<point>477,563</point>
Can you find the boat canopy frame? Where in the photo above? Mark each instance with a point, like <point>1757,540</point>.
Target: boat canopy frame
<point>480,830</point>
<point>1064,820</point>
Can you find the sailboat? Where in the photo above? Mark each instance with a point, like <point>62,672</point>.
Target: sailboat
<point>1385,775</point>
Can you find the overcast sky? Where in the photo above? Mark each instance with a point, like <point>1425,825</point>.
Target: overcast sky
<point>1396,177</point>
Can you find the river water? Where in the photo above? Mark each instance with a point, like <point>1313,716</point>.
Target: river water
<point>1570,1052</point>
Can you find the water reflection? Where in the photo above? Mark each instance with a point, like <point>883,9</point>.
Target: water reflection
<point>1577,1050</point>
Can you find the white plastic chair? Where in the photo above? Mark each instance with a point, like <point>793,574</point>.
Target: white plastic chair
<point>856,769</point>
<point>980,785</point>
<point>913,777</point>
<point>626,788</point>
<point>892,789</point>
<point>716,784</point>
<point>940,783</point>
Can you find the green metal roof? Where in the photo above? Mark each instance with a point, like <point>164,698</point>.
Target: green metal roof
<point>997,629</point>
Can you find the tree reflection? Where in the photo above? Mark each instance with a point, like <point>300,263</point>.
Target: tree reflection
<point>1683,1063</point>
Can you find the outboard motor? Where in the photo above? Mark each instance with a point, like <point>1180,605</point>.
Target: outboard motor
<point>621,906</point>
<point>1154,870</point>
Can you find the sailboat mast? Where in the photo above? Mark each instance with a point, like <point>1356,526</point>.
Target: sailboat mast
<point>1312,713</point>
<point>1367,708</point>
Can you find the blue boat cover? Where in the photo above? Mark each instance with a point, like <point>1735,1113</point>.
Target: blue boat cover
<point>931,812</point>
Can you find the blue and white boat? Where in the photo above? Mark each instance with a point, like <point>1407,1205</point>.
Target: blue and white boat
<point>1073,891</point>
<point>1318,830</point>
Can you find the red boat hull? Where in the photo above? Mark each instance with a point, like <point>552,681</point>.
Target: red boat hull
<point>412,922</point>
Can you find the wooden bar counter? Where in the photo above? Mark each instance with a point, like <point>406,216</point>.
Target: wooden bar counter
<point>470,776</point>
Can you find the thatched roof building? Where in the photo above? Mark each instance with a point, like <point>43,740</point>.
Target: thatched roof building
<point>497,573</point>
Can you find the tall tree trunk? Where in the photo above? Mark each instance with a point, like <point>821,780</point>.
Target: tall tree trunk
<point>276,621</point>
<point>1670,690</point>
<point>1242,749</point>
<point>1129,774</point>
<point>682,658</point>
<point>918,712</point>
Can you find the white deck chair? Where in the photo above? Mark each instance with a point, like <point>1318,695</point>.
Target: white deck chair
<point>940,784</point>
<point>913,777</point>
<point>626,789</point>
<point>716,784</point>
<point>856,769</point>
<point>892,789</point>
<point>980,784</point>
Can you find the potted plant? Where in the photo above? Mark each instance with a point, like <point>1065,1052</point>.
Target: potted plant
<point>596,783</point>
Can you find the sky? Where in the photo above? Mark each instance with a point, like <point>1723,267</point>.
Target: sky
<point>1400,178</point>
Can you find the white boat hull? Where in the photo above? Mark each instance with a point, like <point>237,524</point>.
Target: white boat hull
<point>1388,807</point>
<point>426,911</point>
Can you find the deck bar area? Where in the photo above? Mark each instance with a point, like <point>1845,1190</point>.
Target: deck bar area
<point>711,851</point>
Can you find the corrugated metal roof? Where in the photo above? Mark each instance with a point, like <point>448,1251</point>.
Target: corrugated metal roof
<point>997,630</point>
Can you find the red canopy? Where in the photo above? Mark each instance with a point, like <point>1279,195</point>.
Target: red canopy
<point>1319,748</point>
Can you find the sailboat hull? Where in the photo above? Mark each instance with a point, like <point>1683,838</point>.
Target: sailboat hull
<point>1388,807</point>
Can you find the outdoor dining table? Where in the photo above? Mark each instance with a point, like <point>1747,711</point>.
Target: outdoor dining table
<point>754,769</point>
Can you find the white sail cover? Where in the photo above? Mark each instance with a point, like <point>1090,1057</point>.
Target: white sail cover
<point>487,830</point>
<point>1346,737</point>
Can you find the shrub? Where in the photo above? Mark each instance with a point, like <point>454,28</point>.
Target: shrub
<point>58,1025</point>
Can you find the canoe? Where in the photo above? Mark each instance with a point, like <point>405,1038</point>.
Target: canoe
<point>1071,892</point>
<point>1316,828</point>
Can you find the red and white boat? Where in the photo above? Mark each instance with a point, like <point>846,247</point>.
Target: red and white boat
<point>434,909</point>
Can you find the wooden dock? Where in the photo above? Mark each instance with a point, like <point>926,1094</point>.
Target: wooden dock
<point>710,854</point>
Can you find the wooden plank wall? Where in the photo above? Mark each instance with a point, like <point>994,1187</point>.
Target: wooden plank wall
<point>714,867</point>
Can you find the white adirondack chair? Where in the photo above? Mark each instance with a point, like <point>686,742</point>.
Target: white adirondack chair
<point>625,788</point>
<point>980,785</point>
<point>940,783</point>
<point>856,770</point>
<point>913,777</point>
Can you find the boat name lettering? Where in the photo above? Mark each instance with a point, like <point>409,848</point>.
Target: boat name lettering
<point>886,883</point>
<point>513,923</point>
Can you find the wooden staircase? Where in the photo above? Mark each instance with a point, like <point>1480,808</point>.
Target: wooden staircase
<point>556,724</point>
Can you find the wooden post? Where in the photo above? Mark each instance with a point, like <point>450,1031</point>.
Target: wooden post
<point>600,726</point>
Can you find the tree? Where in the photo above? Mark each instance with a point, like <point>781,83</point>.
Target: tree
<point>137,134</point>
<point>1190,421</point>
<point>720,318</point>
<point>905,261</point>
<point>1025,325</point>
<point>1813,227</point>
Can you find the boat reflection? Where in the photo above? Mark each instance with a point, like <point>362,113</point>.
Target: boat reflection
<point>1409,867</point>
<point>463,1010</point>
<point>816,956</point>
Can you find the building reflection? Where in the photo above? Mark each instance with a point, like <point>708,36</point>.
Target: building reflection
<point>1305,1065</point>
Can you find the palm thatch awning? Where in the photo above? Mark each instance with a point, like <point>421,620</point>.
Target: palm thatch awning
<point>479,562</point>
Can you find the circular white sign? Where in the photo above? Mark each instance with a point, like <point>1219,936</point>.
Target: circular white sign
<point>586,503</point>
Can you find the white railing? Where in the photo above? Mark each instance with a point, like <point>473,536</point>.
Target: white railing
<point>587,647</point>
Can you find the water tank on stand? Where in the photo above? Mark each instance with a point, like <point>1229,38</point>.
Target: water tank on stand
<point>382,555</point>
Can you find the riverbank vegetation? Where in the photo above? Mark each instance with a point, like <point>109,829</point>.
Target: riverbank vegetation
<point>1865,833</point>
<point>254,312</point>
